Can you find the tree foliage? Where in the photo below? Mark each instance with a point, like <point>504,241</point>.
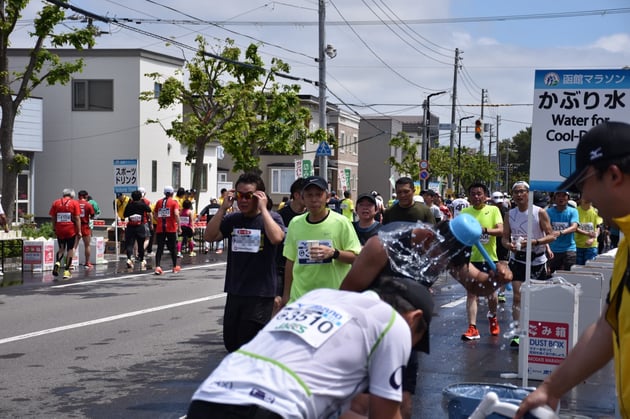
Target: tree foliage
<point>472,167</point>
<point>44,66</point>
<point>235,102</point>
<point>408,163</point>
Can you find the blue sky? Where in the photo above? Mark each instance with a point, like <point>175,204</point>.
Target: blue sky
<point>395,67</point>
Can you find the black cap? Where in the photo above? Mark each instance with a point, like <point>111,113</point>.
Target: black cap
<point>367,196</point>
<point>320,182</point>
<point>603,142</point>
<point>415,294</point>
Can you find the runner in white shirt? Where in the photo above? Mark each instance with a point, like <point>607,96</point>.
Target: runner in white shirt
<point>316,354</point>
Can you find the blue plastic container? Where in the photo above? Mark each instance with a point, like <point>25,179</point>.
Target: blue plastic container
<point>461,400</point>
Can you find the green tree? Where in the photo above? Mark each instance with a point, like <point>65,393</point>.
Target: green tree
<point>473,167</point>
<point>236,102</point>
<point>408,164</point>
<point>43,66</point>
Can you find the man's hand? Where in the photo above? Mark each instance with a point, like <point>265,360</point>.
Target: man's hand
<point>539,397</point>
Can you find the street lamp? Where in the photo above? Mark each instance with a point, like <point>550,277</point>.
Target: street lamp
<point>459,152</point>
<point>427,123</point>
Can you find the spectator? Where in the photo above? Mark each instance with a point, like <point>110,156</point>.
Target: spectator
<point>65,214</point>
<point>320,245</point>
<point>602,175</point>
<point>120,203</point>
<point>138,215</point>
<point>253,234</point>
<point>366,226</point>
<point>86,215</point>
<point>564,221</point>
<point>406,209</point>
<point>166,211</point>
<point>492,227</point>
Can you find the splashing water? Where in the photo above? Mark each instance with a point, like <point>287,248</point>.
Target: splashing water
<point>422,261</point>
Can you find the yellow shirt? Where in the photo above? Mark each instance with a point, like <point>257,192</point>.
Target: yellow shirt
<point>621,336</point>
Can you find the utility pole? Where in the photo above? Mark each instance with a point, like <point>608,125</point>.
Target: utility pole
<point>498,155</point>
<point>427,131</point>
<point>483,99</point>
<point>323,160</point>
<point>454,99</point>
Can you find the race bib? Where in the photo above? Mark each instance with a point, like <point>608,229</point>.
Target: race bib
<point>213,211</point>
<point>313,323</point>
<point>559,226</point>
<point>184,220</point>
<point>485,238</point>
<point>82,214</point>
<point>64,217</point>
<point>164,212</point>
<point>587,227</point>
<point>246,240</point>
<point>304,254</point>
<point>135,219</point>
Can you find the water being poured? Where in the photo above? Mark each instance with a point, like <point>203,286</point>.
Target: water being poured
<point>416,250</point>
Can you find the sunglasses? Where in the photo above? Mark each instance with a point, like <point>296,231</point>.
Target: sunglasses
<point>244,195</point>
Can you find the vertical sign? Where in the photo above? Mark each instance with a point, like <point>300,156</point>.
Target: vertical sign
<point>567,103</point>
<point>307,168</point>
<point>125,176</point>
<point>297,164</point>
<point>341,175</point>
<point>348,173</point>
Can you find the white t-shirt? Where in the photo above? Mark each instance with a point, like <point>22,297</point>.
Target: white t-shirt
<point>315,355</point>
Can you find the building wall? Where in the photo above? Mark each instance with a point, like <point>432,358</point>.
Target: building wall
<point>375,134</point>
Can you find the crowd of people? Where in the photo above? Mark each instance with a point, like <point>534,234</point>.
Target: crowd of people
<point>323,273</point>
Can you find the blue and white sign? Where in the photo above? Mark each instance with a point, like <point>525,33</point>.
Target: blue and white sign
<point>323,149</point>
<point>567,103</point>
<point>125,176</point>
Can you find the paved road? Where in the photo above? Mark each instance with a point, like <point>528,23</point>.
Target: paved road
<point>117,344</point>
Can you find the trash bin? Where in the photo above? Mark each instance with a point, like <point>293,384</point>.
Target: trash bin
<point>461,400</point>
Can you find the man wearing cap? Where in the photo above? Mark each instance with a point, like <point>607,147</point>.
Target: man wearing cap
<point>251,281</point>
<point>303,365</point>
<point>406,209</point>
<point>602,175</point>
<point>366,226</point>
<point>421,252</point>
<point>65,214</point>
<point>564,221</point>
<point>320,245</point>
<point>515,239</point>
<point>86,215</point>
<point>166,212</point>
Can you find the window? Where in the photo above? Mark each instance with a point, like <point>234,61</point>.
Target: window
<point>176,175</point>
<point>153,175</point>
<point>157,89</point>
<point>203,185</point>
<point>342,142</point>
<point>281,180</point>
<point>23,195</point>
<point>222,176</point>
<point>92,95</point>
<point>355,144</point>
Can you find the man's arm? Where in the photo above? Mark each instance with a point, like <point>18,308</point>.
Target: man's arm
<point>366,267</point>
<point>273,231</point>
<point>481,283</point>
<point>593,350</point>
<point>213,228</point>
<point>545,225</point>
<point>288,281</point>
<point>381,408</point>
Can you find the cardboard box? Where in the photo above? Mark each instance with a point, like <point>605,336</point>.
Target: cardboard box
<point>97,251</point>
<point>38,255</point>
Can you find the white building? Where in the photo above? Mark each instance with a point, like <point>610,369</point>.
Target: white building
<point>98,118</point>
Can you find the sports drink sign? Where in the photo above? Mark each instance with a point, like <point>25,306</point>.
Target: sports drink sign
<point>567,103</point>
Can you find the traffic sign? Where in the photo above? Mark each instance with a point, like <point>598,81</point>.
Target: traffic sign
<point>323,149</point>
<point>424,174</point>
<point>424,164</point>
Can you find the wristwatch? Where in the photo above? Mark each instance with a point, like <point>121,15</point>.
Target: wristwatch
<point>335,254</point>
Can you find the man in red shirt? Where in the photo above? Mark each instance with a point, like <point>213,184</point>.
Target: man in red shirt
<point>65,213</point>
<point>166,212</point>
<point>86,216</point>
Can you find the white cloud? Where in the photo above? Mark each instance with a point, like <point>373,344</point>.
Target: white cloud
<point>619,42</point>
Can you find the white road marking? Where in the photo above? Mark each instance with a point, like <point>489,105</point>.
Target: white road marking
<point>145,273</point>
<point>455,303</point>
<point>110,318</point>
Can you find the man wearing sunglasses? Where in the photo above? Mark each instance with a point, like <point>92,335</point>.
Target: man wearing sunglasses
<point>602,175</point>
<point>253,234</point>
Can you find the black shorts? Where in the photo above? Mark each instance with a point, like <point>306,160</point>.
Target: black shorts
<point>67,243</point>
<point>518,271</point>
<point>200,409</point>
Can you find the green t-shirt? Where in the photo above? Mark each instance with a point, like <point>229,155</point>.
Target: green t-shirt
<point>335,231</point>
<point>488,216</point>
<point>347,208</point>
<point>589,220</point>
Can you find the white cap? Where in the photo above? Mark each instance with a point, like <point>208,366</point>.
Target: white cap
<point>142,190</point>
<point>497,197</point>
<point>418,198</point>
<point>168,189</point>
